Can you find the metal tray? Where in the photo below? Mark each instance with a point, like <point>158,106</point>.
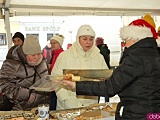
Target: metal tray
<point>45,84</point>
<point>90,73</point>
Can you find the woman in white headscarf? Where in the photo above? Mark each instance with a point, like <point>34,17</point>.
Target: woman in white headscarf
<point>83,54</point>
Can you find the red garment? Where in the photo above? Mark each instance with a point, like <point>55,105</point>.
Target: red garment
<point>55,54</point>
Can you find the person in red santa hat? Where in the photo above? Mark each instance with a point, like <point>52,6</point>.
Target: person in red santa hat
<point>137,78</point>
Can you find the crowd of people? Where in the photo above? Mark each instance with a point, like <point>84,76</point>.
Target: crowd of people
<point>136,80</point>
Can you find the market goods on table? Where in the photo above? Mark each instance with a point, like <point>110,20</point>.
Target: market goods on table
<point>92,112</point>
<point>17,115</point>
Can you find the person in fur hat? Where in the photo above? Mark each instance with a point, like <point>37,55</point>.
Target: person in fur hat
<point>24,65</point>
<point>83,54</point>
<point>137,78</point>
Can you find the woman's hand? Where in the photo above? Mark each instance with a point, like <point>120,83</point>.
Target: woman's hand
<point>32,97</point>
<point>67,83</point>
<point>70,84</point>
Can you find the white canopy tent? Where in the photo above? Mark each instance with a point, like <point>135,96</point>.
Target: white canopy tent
<point>81,7</point>
<point>11,8</point>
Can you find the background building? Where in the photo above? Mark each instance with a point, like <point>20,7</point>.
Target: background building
<point>47,26</point>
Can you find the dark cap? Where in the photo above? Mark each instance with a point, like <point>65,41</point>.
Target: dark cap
<point>18,35</point>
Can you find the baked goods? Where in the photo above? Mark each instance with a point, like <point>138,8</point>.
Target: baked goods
<point>74,78</point>
<point>68,77</point>
<point>15,115</point>
<point>71,77</point>
<point>92,112</point>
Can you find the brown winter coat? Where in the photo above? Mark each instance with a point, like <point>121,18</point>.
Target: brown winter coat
<point>17,76</point>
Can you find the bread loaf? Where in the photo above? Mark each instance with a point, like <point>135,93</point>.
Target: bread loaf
<point>71,77</point>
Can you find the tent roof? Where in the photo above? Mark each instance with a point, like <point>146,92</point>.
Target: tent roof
<point>81,7</point>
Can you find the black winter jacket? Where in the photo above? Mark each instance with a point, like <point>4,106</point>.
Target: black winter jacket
<point>136,80</point>
<point>105,52</point>
<point>17,76</point>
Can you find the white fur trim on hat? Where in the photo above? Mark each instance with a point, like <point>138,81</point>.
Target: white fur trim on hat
<point>58,39</point>
<point>31,45</point>
<point>135,32</point>
<point>85,30</point>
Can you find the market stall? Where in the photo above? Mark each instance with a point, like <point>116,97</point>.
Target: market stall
<point>102,111</point>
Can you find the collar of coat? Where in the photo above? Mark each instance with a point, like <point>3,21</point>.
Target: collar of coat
<point>79,52</point>
<point>148,42</point>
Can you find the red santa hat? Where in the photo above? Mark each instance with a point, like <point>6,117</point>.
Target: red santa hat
<point>137,30</point>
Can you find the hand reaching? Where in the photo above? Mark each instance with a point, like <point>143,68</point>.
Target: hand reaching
<point>70,84</point>
<point>66,83</point>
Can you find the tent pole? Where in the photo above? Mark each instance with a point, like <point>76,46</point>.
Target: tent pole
<point>7,28</point>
